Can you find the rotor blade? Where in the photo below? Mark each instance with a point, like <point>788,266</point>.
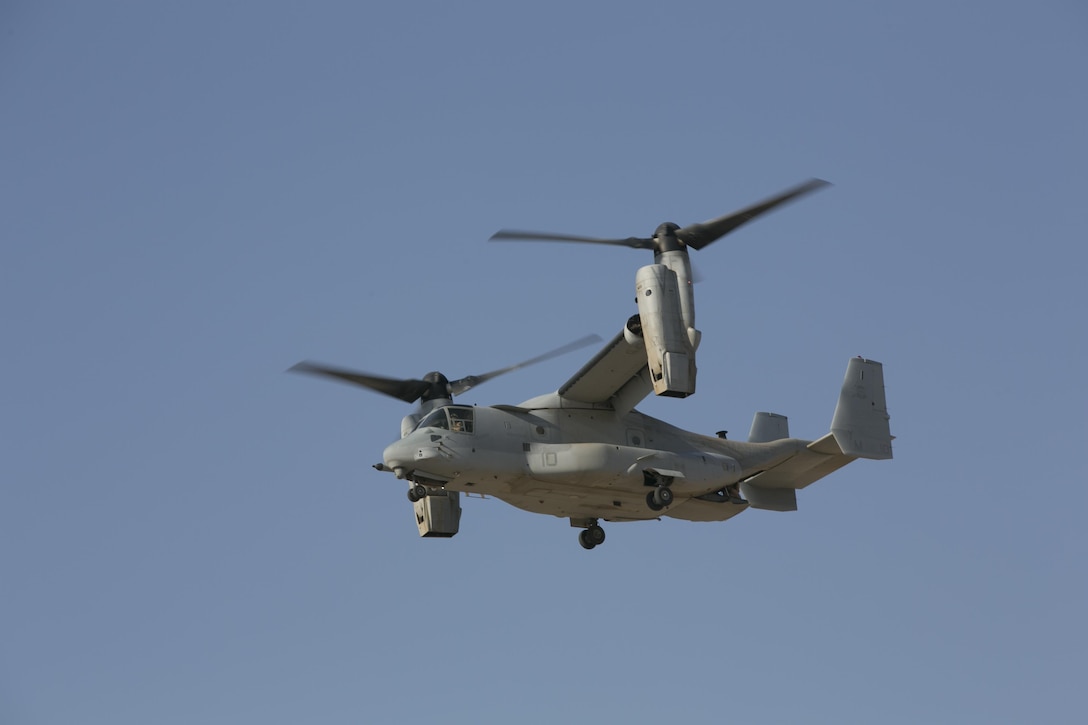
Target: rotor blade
<point>519,236</point>
<point>407,390</point>
<point>459,386</point>
<point>698,236</point>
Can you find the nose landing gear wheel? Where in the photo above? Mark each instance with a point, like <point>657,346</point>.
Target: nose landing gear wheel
<point>591,537</point>
<point>417,493</point>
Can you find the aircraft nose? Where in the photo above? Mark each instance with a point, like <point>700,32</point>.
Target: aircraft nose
<point>398,458</point>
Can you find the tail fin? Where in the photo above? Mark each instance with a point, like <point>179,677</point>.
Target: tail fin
<point>767,427</point>
<point>860,425</point>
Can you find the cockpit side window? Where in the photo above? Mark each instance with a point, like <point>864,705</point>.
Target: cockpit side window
<point>455,418</point>
<point>461,419</point>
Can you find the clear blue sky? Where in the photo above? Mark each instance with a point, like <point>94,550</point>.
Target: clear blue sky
<point>195,196</point>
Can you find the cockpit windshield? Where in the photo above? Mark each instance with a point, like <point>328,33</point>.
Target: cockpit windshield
<point>456,418</point>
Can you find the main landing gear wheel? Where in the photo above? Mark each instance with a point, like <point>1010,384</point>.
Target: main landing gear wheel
<point>659,498</point>
<point>417,493</point>
<point>591,536</point>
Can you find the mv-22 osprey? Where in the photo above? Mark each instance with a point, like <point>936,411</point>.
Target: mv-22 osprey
<point>585,453</point>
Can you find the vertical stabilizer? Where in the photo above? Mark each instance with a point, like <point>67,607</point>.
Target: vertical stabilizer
<point>861,423</point>
<point>767,427</point>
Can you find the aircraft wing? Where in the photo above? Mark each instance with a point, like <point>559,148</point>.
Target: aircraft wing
<point>618,375</point>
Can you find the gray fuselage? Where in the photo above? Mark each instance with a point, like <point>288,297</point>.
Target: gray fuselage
<point>579,462</point>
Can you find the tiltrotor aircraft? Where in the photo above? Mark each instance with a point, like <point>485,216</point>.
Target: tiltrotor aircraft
<point>583,452</point>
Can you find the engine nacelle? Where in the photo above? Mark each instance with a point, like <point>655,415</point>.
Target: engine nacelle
<point>670,347</point>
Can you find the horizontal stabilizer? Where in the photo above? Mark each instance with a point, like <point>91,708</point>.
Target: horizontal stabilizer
<point>811,463</point>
